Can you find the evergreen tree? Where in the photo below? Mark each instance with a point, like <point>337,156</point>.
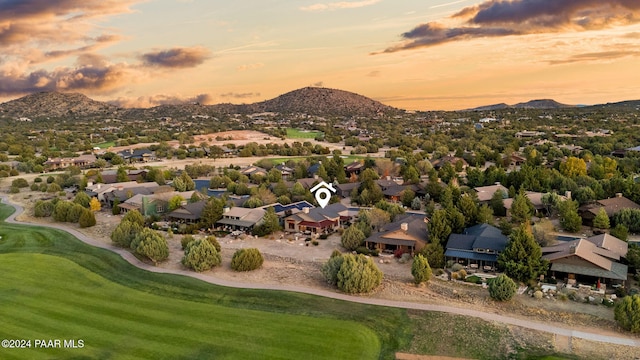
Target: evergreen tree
<point>469,209</point>
<point>620,231</point>
<point>497,203</point>
<point>420,269</point>
<point>601,221</point>
<point>352,238</point>
<point>82,198</point>
<point>212,211</point>
<point>522,259</point>
<point>246,259</point>
<point>434,253</point>
<point>358,274</point>
<point>121,174</point>
<point>569,218</point>
<point>502,288</point>
<point>521,208</point>
<point>135,217</point>
<point>87,218</point>
<point>627,313</point>
<point>151,245</point>
<point>200,255</point>
<point>439,228</point>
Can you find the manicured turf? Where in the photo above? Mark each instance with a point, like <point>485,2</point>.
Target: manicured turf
<point>302,134</point>
<point>56,287</point>
<point>48,297</point>
<point>348,159</point>
<point>105,145</point>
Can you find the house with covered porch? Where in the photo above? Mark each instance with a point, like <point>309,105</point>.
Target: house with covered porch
<point>477,247</point>
<point>409,233</point>
<point>318,220</point>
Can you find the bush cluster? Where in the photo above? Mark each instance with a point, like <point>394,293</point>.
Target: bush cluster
<point>246,259</point>
<point>352,274</point>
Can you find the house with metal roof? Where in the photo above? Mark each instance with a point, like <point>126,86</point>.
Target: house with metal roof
<point>612,206</point>
<point>239,218</point>
<point>478,246</point>
<point>318,220</point>
<point>189,212</point>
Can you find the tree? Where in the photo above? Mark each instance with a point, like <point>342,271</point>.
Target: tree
<point>184,182</point>
<point>212,239</point>
<point>121,174</point>
<point>522,259</point>
<point>352,238</point>
<point>87,218</point>
<point>246,259</point>
<point>485,215</point>
<point>115,210</point>
<point>627,313</point>
<point>152,245</point>
<point>439,228</point>
<point>434,253</point>
<point>82,198</point>
<point>135,217</point>
<point>620,231</point>
<point>43,208</point>
<point>331,268</point>
<point>407,196</point>
<point>175,202</point>
<point>94,205</point>
<point>502,288</point>
<point>74,213</point>
<point>125,232</point>
<point>420,269</point>
<point>378,218</point>
<point>270,223</point>
<point>200,255</point>
<point>601,221</point>
<point>469,208</point>
<point>497,203</point>
<point>521,209</point>
<point>573,167</point>
<point>569,218</point>
<point>358,274</point>
<point>212,211</point>
<point>60,211</point>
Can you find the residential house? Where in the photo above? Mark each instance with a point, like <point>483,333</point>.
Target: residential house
<point>485,193</point>
<point>478,247</point>
<point>344,190</point>
<point>189,212</point>
<point>137,155</point>
<point>612,206</point>
<point>239,218</point>
<point>100,190</point>
<point>354,168</point>
<point>110,176</point>
<point>318,220</point>
<point>536,200</point>
<point>253,170</point>
<point>286,171</point>
<point>83,161</point>
<point>453,160</point>
<point>408,233</point>
<point>152,204</point>
<point>592,260</point>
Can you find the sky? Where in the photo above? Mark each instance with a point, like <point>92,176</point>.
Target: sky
<point>410,54</point>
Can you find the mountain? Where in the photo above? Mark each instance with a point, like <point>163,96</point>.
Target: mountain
<point>309,100</point>
<point>55,105</point>
<point>324,101</point>
<point>541,104</point>
<point>533,104</point>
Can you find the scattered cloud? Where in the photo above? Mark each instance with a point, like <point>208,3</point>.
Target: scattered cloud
<point>596,56</point>
<point>176,57</point>
<point>318,84</point>
<point>338,5</point>
<point>246,67</point>
<point>497,18</point>
<point>240,95</point>
<point>102,79</point>
<point>374,73</point>
<point>161,99</point>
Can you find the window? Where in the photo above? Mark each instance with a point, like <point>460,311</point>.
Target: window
<point>160,208</point>
<point>489,251</point>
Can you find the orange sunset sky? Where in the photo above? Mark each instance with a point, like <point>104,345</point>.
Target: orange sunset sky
<point>417,55</point>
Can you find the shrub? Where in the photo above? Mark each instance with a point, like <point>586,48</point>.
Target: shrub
<point>201,255</point>
<point>362,250</point>
<point>87,218</point>
<point>473,279</point>
<point>151,244</point>
<point>352,238</point>
<point>538,294</point>
<point>37,180</point>
<point>324,236</point>
<point>462,273</point>
<point>19,183</point>
<point>246,259</point>
<point>620,231</point>
<point>43,209</point>
<point>627,313</point>
<point>331,268</point>
<point>74,213</point>
<point>125,232</point>
<point>54,188</point>
<point>420,269</point>
<point>61,210</point>
<point>35,187</point>
<point>502,288</point>
<point>43,187</point>
<point>214,242</point>
<point>315,243</point>
<point>186,239</point>
<point>456,267</point>
<point>358,274</point>
<point>14,190</point>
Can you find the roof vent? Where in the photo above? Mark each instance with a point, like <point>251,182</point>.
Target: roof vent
<point>404,227</point>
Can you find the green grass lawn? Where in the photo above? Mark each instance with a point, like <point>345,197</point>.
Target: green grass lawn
<point>56,287</point>
<point>348,159</point>
<point>302,134</point>
<point>105,145</point>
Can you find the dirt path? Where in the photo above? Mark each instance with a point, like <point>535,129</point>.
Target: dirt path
<point>491,317</point>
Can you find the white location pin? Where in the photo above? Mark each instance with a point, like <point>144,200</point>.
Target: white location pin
<point>322,193</point>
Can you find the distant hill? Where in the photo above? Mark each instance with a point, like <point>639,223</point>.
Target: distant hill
<point>324,101</point>
<point>533,104</point>
<point>55,105</point>
<point>309,100</point>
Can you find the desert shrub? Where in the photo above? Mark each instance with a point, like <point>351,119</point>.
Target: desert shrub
<point>473,279</point>
<point>61,210</point>
<point>214,241</point>
<point>35,187</point>
<point>43,187</point>
<point>331,268</point>
<point>324,236</point>
<point>362,250</point>
<point>315,243</point>
<point>50,179</point>
<point>186,239</point>
<point>627,313</point>
<point>502,288</point>
<point>37,180</point>
<point>134,216</point>
<point>125,232</point>
<point>246,259</point>
<point>151,244</point>
<point>358,274</point>
<point>456,267</point>
<point>538,294</point>
<point>19,183</point>
<point>87,218</point>
<point>462,273</point>
<point>420,269</point>
<point>74,213</point>
<point>54,188</point>
<point>201,255</point>
<point>14,190</point>
<point>43,209</point>
<point>352,238</point>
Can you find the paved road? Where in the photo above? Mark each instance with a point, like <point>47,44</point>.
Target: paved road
<point>534,325</point>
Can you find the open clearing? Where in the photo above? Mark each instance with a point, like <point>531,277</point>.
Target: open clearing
<point>302,134</point>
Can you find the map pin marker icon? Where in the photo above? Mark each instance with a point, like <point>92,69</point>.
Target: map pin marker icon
<point>323,200</point>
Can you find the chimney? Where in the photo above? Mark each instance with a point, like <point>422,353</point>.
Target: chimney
<point>305,210</point>
<point>572,249</point>
<point>618,195</point>
<point>99,186</point>
<point>567,194</point>
<point>226,209</point>
<point>404,227</point>
<point>315,176</point>
<point>90,183</point>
